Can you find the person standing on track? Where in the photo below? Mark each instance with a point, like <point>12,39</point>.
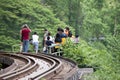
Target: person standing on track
<point>25,32</point>
<point>35,39</point>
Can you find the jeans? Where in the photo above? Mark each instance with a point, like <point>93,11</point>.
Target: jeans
<point>36,45</point>
<point>25,45</point>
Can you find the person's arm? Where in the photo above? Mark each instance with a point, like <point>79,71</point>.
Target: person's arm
<point>20,32</point>
<point>28,28</point>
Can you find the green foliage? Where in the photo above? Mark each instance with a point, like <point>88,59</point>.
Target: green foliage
<point>13,14</point>
<point>91,18</point>
<point>103,62</point>
<point>100,18</point>
<point>67,11</point>
<point>7,42</point>
<point>98,45</point>
<point>59,7</point>
<point>113,46</point>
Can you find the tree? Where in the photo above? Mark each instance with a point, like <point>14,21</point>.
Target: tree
<point>68,11</point>
<point>13,14</point>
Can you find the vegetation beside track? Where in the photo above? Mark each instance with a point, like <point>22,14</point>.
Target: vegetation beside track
<point>105,66</point>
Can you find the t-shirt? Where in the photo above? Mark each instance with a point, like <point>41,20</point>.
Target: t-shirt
<point>48,42</point>
<point>25,34</point>
<point>59,40</point>
<point>63,41</point>
<point>63,38</point>
<point>63,35</point>
<point>35,38</point>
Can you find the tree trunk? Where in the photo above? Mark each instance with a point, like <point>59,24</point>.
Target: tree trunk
<point>115,28</point>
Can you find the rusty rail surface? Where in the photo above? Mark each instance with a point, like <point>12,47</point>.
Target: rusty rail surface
<point>60,69</point>
<point>16,74</point>
<point>55,68</point>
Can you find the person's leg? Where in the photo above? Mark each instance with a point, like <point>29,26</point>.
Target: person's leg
<point>33,45</point>
<point>26,45</point>
<point>23,46</point>
<point>36,47</point>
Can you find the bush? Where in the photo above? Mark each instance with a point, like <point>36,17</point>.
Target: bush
<point>86,56</point>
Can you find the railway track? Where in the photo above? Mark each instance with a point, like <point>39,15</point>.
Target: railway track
<point>37,67</point>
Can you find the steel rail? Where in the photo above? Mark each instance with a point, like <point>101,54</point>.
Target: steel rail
<point>26,71</point>
<point>51,72</point>
<point>23,70</point>
<point>71,73</point>
<point>55,68</point>
<point>26,60</point>
<point>60,68</point>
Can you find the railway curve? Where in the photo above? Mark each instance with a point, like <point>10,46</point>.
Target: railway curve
<point>39,66</point>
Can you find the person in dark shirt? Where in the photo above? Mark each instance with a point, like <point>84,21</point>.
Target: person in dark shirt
<point>49,42</point>
<point>58,40</point>
<point>63,36</point>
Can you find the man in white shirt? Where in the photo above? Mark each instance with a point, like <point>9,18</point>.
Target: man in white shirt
<point>35,39</point>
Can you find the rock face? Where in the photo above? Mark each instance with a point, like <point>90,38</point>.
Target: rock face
<point>6,63</point>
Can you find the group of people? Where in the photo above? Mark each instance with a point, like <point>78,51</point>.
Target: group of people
<point>48,40</point>
<point>60,38</point>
